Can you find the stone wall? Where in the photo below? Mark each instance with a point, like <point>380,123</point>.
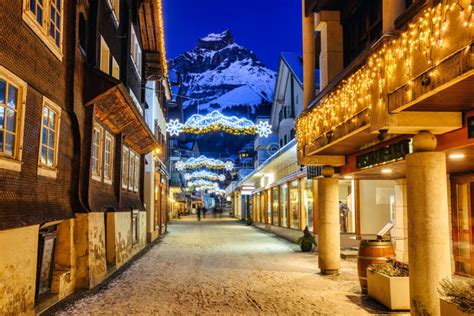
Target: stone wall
<point>19,248</point>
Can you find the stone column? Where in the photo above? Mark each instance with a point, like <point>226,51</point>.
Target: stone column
<point>391,10</point>
<point>331,57</point>
<point>428,224</point>
<point>309,57</point>
<point>329,243</point>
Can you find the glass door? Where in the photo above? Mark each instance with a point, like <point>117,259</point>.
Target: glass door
<point>463,215</point>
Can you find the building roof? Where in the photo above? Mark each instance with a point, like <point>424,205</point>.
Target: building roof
<point>295,65</point>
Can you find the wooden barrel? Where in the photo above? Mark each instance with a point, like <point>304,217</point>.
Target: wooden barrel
<point>372,251</point>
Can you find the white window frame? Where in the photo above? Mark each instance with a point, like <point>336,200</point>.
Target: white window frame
<point>132,171</point>
<point>97,174</point>
<point>109,137</point>
<point>42,29</point>
<point>14,162</point>
<point>135,51</point>
<point>45,169</point>
<point>125,153</point>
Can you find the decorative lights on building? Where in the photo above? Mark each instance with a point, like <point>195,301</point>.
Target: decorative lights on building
<point>204,162</point>
<point>392,68</point>
<point>217,122</point>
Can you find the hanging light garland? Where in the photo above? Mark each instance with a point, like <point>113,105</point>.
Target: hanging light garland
<point>217,191</point>
<point>204,162</point>
<point>397,63</point>
<point>202,183</point>
<point>217,122</point>
<point>204,174</point>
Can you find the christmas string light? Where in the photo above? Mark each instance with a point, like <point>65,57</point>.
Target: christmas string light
<point>204,162</point>
<point>204,174</point>
<point>217,122</point>
<point>202,183</point>
<point>393,67</point>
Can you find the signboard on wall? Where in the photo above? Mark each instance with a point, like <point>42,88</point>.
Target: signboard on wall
<point>389,153</point>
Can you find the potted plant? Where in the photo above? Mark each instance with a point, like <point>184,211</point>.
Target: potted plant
<point>457,297</point>
<point>248,221</point>
<point>306,241</point>
<point>388,283</point>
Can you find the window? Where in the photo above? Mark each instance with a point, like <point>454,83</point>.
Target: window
<point>115,6</point>
<point>104,64</point>
<point>308,202</point>
<point>49,138</point>
<point>45,18</point>
<point>284,204</point>
<point>115,69</point>
<point>125,163</point>
<point>294,201</point>
<point>134,227</point>
<point>108,156</point>
<point>8,117</point>
<point>275,206</point>
<point>96,154</point>
<point>135,51</point>
<point>130,169</point>
<point>55,21</point>
<point>12,97</point>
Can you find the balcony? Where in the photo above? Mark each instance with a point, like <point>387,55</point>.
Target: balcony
<point>402,80</point>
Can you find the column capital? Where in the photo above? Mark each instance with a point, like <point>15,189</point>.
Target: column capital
<point>327,171</point>
<point>424,141</point>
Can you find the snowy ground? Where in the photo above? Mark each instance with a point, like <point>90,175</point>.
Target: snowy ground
<point>224,267</point>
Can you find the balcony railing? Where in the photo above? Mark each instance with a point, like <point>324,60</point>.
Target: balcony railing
<point>436,45</point>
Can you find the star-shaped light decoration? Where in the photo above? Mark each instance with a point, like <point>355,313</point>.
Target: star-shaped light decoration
<point>229,165</point>
<point>264,129</point>
<point>221,177</point>
<point>174,127</point>
<point>180,165</point>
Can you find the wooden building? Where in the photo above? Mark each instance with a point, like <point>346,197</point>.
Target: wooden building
<point>73,138</point>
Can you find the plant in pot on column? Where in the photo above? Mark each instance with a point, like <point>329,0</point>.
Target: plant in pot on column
<point>457,298</point>
<point>306,241</point>
<point>388,283</point>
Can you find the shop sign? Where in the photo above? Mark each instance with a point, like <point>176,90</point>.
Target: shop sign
<point>390,153</point>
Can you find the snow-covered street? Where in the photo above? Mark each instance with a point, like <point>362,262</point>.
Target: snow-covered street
<point>224,267</point>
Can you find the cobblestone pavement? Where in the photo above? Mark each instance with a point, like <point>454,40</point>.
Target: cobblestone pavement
<point>220,266</point>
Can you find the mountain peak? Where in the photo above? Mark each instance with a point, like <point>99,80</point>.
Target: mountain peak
<point>216,41</point>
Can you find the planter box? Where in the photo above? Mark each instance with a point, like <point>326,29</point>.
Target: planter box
<point>450,309</point>
<point>393,292</point>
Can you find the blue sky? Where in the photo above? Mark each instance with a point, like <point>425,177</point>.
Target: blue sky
<point>267,27</point>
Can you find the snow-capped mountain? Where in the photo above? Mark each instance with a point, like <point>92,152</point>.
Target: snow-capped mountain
<point>221,74</point>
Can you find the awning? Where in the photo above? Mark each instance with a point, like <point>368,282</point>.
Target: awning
<point>114,107</point>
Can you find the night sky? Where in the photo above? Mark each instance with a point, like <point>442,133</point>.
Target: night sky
<point>267,27</point>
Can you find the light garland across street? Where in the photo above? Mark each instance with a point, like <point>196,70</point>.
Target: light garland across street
<point>202,183</point>
<point>217,122</point>
<point>204,174</point>
<point>204,162</point>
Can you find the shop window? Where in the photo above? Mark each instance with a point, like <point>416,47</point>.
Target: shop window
<point>46,247</point>
<point>108,157</point>
<point>45,18</point>
<point>96,152</point>
<point>284,205</point>
<point>276,206</point>
<point>12,98</point>
<point>308,202</point>
<point>294,200</point>
<point>135,51</point>
<point>49,138</point>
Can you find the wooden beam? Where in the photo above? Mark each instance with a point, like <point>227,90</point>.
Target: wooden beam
<point>323,160</point>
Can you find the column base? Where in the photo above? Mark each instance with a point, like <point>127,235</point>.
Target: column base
<point>329,271</point>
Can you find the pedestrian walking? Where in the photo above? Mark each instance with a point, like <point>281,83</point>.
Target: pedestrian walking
<point>204,210</point>
<point>199,213</point>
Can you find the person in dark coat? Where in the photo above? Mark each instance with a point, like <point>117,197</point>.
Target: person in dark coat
<point>199,212</point>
